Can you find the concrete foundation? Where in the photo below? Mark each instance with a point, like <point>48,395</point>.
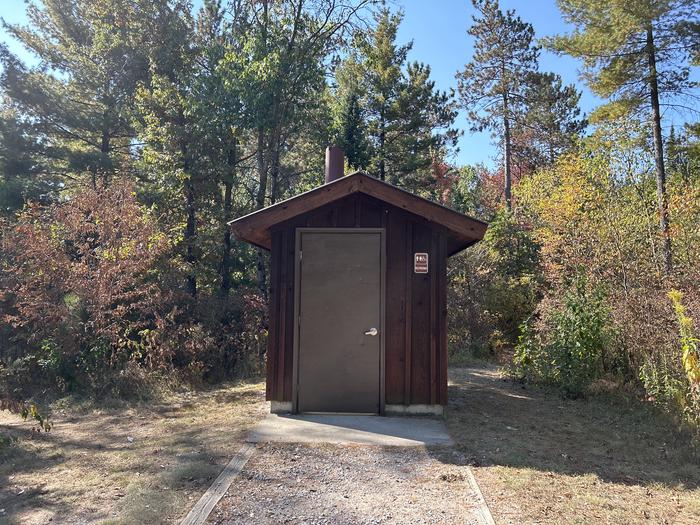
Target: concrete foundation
<point>285,407</point>
<point>364,430</point>
<point>414,410</point>
<point>280,407</point>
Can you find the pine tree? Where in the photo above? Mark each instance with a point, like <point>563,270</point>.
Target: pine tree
<point>22,174</point>
<point>425,136</point>
<point>636,53</point>
<point>351,131</point>
<point>383,60</point>
<point>553,118</point>
<point>409,122</point>
<point>166,126</point>
<point>492,86</point>
<point>81,92</point>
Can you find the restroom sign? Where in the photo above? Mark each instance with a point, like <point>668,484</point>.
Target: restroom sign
<point>420,262</point>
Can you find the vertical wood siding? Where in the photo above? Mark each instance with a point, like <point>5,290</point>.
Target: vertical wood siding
<point>416,304</point>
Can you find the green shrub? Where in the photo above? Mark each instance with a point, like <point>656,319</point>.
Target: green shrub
<point>663,381</point>
<point>567,349</point>
<point>493,287</point>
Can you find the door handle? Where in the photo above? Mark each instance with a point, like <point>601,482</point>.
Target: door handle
<point>372,332</point>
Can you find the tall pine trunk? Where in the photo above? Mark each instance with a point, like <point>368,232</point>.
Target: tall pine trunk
<point>225,266</point>
<point>382,145</point>
<point>507,152</point>
<point>661,197</point>
<point>190,210</point>
<point>260,204</point>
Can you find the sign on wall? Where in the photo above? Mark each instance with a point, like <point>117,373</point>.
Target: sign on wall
<point>420,263</point>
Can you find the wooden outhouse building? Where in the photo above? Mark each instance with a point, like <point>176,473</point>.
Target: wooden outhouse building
<point>358,305</point>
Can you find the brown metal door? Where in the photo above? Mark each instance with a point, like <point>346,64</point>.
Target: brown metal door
<point>339,306</point>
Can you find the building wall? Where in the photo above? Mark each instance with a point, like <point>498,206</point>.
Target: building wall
<point>415,327</point>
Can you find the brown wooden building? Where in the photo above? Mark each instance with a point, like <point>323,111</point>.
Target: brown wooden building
<point>358,307</point>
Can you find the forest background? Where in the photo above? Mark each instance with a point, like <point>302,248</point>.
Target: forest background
<point>141,127</point>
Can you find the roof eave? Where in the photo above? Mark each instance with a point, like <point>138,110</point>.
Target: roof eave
<point>357,182</point>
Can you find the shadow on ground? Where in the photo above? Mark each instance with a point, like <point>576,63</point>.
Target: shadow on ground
<point>495,421</point>
<point>133,464</point>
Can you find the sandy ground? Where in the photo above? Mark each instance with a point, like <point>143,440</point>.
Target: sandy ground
<point>542,459</point>
<point>538,458</point>
<point>348,484</point>
<point>144,464</point>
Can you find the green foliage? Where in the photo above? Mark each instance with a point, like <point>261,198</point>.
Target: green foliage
<point>208,116</point>
<point>512,249</point>
<point>492,85</point>
<point>663,383</point>
<point>671,382</point>
<point>496,77</point>
<point>595,212</point>
<point>21,177</point>
<point>635,53</point>
<point>611,40</point>
<point>552,123</point>
<point>49,355</point>
<point>80,94</point>
<point>182,121</point>
<point>351,130</point>
<point>493,288</point>
<point>532,115</point>
<point>567,348</point>
<point>392,120</point>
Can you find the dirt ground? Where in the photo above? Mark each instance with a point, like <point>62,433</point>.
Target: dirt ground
<point>346,484</point>
<point>542,459</point>
<point>127,465</point>
<point>537,457</point>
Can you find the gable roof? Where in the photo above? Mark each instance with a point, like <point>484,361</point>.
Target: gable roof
<point>255,227</point>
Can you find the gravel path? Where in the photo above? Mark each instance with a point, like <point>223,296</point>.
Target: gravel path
<point>346,484</point>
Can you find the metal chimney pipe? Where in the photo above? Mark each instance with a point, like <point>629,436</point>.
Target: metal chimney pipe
<point>335,163</point>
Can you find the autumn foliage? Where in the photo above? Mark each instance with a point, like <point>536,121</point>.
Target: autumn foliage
<point>594,214</point>
<point>90,301</point>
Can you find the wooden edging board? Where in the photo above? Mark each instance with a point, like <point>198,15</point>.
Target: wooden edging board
<point>200,512</point>
<point>482,507</point>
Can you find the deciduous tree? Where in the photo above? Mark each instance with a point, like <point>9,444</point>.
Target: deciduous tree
<point>281,67</point>
<point>636,53</point>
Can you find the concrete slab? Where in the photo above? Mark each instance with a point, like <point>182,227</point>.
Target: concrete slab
<point>342,429</point>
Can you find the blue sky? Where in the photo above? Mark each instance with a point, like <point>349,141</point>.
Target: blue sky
<point>438,29</point>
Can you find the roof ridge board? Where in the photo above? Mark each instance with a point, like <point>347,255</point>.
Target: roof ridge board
<point>355,187</point>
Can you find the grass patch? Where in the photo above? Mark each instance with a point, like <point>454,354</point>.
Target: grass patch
<point>543,459</point>
<point>122,464</point>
